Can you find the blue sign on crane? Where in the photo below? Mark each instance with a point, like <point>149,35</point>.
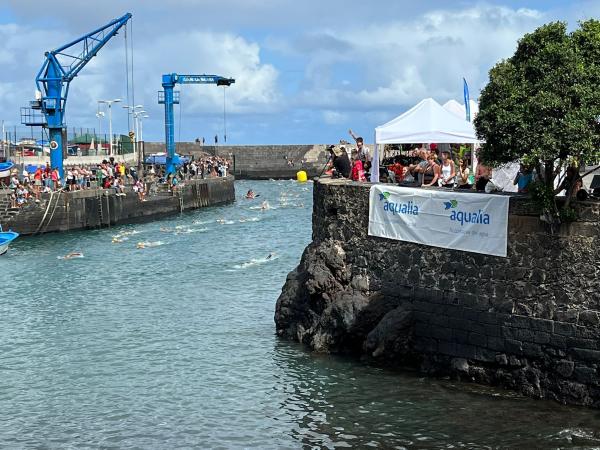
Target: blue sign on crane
<point>169,97</point>
<point>60,67</point>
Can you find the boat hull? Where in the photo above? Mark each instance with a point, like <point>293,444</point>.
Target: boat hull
<point>5,239</point>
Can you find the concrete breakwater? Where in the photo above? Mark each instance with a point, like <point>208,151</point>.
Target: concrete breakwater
<point>258,162</point>
<point>529,322</point>
<point>64,211</point>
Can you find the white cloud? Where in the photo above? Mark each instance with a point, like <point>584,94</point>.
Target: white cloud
<point>193,51</point>
<point>401,62</point>
<point>334,117</point>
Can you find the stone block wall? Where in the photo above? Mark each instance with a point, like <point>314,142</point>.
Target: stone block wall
<point>258,161</point>
<point>101,208</point>
<point>529,322</point>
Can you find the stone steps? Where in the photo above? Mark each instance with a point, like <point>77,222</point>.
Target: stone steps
<point>6,211</point>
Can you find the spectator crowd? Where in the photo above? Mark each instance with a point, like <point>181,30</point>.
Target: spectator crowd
<point>423,165</point>
<point>28,186</point>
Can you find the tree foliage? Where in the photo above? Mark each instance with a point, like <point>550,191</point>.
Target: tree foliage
<point>542,105</point>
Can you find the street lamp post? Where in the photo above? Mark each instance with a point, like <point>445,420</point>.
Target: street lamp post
<point>137,123</point>
<point>109,103</point>
<point>132,110</point>
<point>100,115</point>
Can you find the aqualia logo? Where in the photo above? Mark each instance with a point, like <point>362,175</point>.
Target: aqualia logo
<point>463,217</point>
<point>398,208</point>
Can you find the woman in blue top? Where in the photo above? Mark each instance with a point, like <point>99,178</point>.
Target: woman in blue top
<point>523,179</point>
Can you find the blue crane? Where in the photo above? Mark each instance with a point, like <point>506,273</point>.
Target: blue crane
<point>52,81</point>
<point>169,97</point>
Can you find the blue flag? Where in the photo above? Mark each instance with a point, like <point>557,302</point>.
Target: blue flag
<point>467,100</point>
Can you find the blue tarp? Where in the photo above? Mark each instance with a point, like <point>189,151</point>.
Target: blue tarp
<point>31,168</point>
<point>161,160</point>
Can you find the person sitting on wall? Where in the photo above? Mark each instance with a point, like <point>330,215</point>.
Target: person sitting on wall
<point>140,189</point>
<point>398,170</point>
<point>358,173</point>
<point>339,162</point>
<point>118,185</point>
<point>462,178</point>
<point>417,170</point>
<point>482,176</point>
<point>431,174</point>
<point>448,172</point>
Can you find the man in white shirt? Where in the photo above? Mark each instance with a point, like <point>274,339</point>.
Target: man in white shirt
<point>364,154</point>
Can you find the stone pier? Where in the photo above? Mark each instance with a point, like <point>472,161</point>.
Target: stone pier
<point>528,322</point>
<point>96,208</point>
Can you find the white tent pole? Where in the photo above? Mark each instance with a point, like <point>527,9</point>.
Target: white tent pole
<point>375,161</point>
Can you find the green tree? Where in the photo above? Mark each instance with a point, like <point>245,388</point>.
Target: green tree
<point>542,105</point>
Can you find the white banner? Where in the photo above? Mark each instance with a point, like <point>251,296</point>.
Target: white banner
<point>458,220</point>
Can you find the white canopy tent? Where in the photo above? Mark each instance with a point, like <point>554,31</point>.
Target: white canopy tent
<point>458,109</point>
<point>427,121</point>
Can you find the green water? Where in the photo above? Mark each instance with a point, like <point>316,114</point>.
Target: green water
<point>173,346</point>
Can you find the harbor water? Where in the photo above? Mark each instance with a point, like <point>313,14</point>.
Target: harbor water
<point>161,335</point>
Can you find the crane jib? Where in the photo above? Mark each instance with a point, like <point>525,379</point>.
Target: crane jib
<point>196,79</point>
<point>60,67</point>
<point>169,98</point>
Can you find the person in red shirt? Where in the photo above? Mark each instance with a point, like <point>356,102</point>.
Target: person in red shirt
<point>54,177</point>
<point>37,183</point>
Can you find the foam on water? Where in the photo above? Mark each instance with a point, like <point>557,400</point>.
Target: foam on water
<point>141,245</point>
<point>257,261</point>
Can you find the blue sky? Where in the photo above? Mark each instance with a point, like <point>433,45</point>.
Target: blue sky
<point>306,71</point>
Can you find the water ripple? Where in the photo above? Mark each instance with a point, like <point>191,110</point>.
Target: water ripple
<point>173,346</point>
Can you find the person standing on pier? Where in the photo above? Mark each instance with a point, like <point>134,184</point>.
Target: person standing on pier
<point>54,176</point>
<point>364,154</point>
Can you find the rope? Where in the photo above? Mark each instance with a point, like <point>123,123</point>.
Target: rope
<point>53,211</point>
<point>45,213</point>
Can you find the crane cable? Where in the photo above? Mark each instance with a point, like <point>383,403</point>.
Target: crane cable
<point>224,118</point>
<point>127,78</point>
<point>132,71</point>
<point>179,124</point>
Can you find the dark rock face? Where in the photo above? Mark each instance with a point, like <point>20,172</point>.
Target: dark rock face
<point>323,306</point>
<point>529,322</point>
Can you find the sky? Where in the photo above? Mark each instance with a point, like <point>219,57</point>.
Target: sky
<point>306,71</point>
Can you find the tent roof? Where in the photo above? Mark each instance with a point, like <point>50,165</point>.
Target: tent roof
<point>426,122</point>
<point>458,109</point>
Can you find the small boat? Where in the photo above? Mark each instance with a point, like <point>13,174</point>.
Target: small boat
<point>5,168</point>
<point>6,237</point>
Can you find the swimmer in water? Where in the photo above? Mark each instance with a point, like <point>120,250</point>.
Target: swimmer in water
<point>270,256</point>
<point>264,205</point>
<point>250,194</point>
<point>141,245</point>
<point>73,255</point>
